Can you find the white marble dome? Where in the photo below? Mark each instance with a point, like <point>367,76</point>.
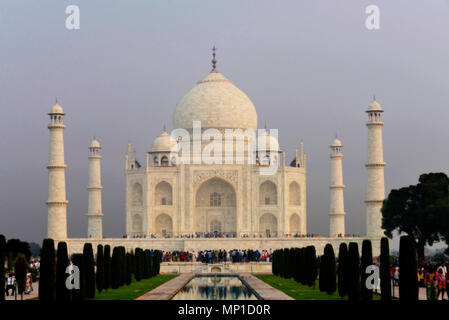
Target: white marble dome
<point>336,143</point>
<point>95,143</point>
<point>374,106</point>
<point>164,143</point>
<point>217,103</point>
<point>56,108</point>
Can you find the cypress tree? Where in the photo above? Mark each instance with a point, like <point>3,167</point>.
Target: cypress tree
<point>47,271</point>
<point>62,262</point>
<point>385,271</point>
<point>300,266</point>
<point>285,263</point>
<point>132,264</point>
<point>342,280</point>
<point>138,264</point>
<point>157,261</point>
<point>408,278</point>
<point>128,268</point>
<point>306,266</point>
<point>100,268</point>
<point>146,262</point>
<point>78,261</point>
<point>20,267</point>
<point>366,260</point>
<point>2,266</point>
<point>276,262</point>
<point>115,268</point>
<point>273,263</point>
<point>89,266</point>
<point>122,264</point>
<point>290,264</point>
<point>331,285</point>
<point>107,266</point>
<point>152,263</point>
<point>324,272</point>
<point>353,264</point>
<point>312,272</point>
<point>297,264</point>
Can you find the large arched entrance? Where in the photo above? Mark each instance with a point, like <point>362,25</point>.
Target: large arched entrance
<point>294,224</point>
<point>215,207</point>
<point>164,225</point>
<point>268,225</point>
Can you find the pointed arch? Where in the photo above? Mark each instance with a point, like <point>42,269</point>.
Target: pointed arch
<point>137,194</point>
<point>215,206</point>
<point>163,194</point>
<point>294,194</point>
<point>294,224</point>
<point>268,193</point>
<point>137,223</point>
<point>268,225</point>
<point>164,225</point>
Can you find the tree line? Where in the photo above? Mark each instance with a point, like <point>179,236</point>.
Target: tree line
<point>348,274</point>
<point>95,275</point>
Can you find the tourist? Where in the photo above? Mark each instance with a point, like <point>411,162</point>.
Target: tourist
<point>10,284</point>
<point>396,276</point>
<point>440,282</point>
<point>420,276</point>
<point>429,282</point>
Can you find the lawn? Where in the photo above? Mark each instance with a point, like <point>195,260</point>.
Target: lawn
<point>300,292</point>
<point>135,289</point>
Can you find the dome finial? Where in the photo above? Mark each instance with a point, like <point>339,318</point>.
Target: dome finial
<point>214,61</point>
<point>163,129</point>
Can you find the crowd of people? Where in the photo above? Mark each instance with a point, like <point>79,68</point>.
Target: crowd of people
<point>229,235</point>
<point>434,279</point>
<point>218,256</point>
<point>11,283</point>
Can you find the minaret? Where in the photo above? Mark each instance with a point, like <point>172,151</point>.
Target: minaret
<point>57,202</point>
<point>94,212</point>
<point>375,185</point>
<point>337,205</point>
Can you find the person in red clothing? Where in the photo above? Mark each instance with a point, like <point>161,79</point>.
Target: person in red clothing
<point>440,283</point>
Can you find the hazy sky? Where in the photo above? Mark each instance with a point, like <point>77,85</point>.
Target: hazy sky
<point>310,68</point>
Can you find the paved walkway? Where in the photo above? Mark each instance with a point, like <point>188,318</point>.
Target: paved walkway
<point>422,295</point>
<point>168,289</point>
<point>264,290</point>
<point>33,294</point>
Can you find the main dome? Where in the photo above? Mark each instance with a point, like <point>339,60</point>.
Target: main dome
<point>217,103</point>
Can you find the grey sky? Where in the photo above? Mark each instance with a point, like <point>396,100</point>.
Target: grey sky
<point>310,68</point>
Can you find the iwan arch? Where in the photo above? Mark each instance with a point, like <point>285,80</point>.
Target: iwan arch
<point>173,204</point>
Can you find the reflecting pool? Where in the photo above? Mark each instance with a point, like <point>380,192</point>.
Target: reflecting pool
<point>218,287</point>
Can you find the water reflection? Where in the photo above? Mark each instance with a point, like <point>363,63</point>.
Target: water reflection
<point>215,288</point>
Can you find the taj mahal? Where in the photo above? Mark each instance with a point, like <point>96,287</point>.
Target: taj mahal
<point>216,181</point>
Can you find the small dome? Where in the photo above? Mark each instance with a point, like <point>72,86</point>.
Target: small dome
<point>164,143</point>
<point>336,143</point>
<point>95,143</point>
<point>266,142</point>
<point>217,103</point>
<point>56,108</point>
<point>374,106</point>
